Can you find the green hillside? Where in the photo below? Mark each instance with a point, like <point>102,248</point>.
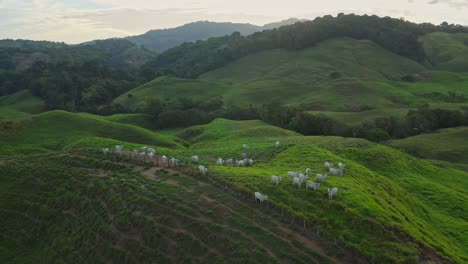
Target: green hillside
<point>55,130</point>
<point>445,144</point>
<point>386,195</point>
<point>20,105</point>
<point>447,52</point>
<point>343,75</point>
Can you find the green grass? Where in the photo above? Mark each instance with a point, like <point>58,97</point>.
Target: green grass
<point>141,120</point>
<point>382,190</point>
<point>447,51</point>
<point>445,144</point>
<point>56,129</point>
<point>71,209</point>
<point>20,105</point>
<point>370,78</point>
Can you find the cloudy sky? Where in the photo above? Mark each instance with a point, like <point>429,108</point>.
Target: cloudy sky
<point>75,21</point>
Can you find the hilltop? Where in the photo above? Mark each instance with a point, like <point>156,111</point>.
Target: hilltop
<point>160,40</point>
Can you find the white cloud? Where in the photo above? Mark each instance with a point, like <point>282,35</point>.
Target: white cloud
<point>81,20</point>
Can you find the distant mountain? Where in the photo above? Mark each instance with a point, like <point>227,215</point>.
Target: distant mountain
<point>163,39</point>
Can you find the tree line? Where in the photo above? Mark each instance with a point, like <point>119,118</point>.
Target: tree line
<point>398,36</point>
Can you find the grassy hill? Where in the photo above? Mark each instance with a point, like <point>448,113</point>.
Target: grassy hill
<point>445,144</point>
<point>392,208</point>
<point>55,130</point>
<point>365,76</point>
<point>447,52</point>
<point>389,205</point>
<point>20,105</point>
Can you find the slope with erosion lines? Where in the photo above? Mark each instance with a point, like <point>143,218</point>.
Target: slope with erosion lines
<point>391,206</point>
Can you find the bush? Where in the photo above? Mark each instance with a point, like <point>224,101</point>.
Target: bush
<point>377,135</point>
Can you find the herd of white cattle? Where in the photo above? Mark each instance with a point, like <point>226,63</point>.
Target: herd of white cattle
<point>298,177</point>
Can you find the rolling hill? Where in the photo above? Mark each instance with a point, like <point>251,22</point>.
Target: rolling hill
<point>445,144</point>
<point>345,75</point>
<point>448,52</point>
<point>161,40</point>
<point>20,105</point>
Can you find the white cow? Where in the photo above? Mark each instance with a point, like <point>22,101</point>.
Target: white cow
<point>308,171</point>
<point>275,179</point>
<point>297,181</point>
<point>292,174</point>
<point>144,149</point>
<point>174,162</point>
<point>142,155</point>
<point>328,164</point>
<point>277,144</point>
<point>229,161</point>
<point>150,150</point>
<point>321,177</point>
<point>105,151</point>
<point>313,185</point>
<point>164,160</point>
<point>260,197</point>
<point>244,155</point>
<point>219,161</point>
<point>203,170</point>
<point>118,149</point>
<point>341,166</point>
<point>244,146</point>
<point>337,172</point>
<point>241,163</point>
<point>194,159</point>
<point>250,162</point>
<point>332,192</point>
<point>150,155</point>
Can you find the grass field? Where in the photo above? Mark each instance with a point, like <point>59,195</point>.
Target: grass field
<point>368,77</point>
<point>447,51</point>
<point>445,144</point>
<point>391,207</point>
<point>385,194</point>
<point>20,105</point>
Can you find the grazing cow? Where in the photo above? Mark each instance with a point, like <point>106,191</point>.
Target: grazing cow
<point>321,177</point>
<point>142,155</point>
<point>337,172</point>
<point>118,149</point>
<point>244,146</point>
<point>164,160</point>
<point>260,197</point>
<point>250,162</point>
<point>275,179</point>
<point>301,176</point>
<point>328,164</point>
<point>332,192</point>
<point>194,159</point>
<point>151,150</point>
<point>203,170</point>
<point>144,149</point>
<point>105,151</point>
<point>150,155</point>
<point>219,161</point>
<point>341,166</point>
<point>244,155</point>
<point>174,162</point>
<point>229,161</point>
<point>292,174</point>
<point>277,144</point>
<point>298,181</point>
<point>240,163</point>
<point>308,171</point>
<point>313,185</point>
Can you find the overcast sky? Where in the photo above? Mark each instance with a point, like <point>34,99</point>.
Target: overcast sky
<point>75,21</point>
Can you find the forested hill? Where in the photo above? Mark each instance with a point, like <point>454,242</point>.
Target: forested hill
<point>398,36</point>
<point>71,77</point>
<point>163,39</point>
